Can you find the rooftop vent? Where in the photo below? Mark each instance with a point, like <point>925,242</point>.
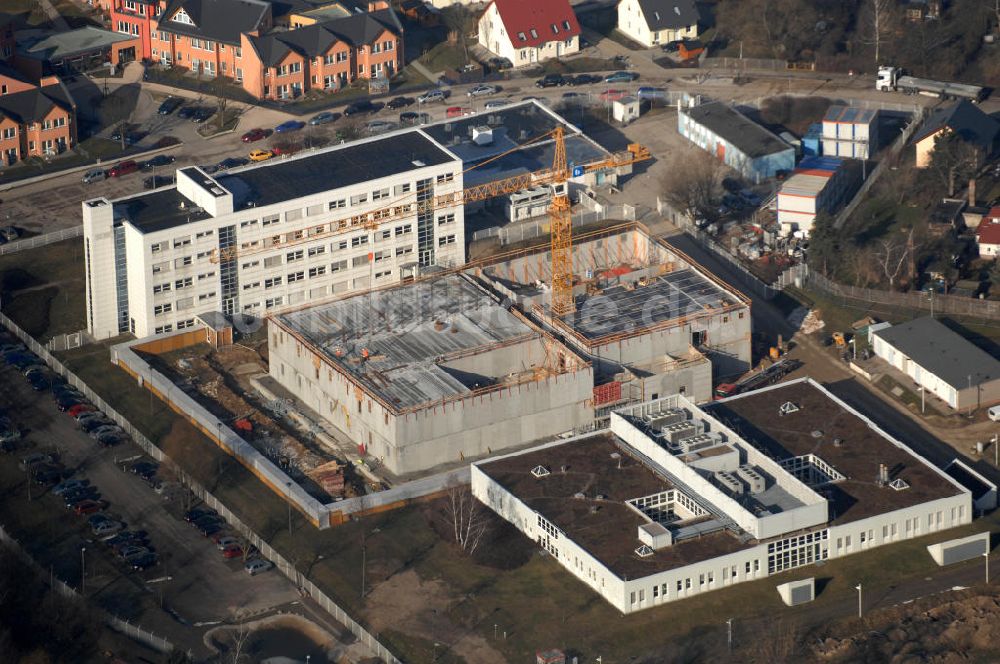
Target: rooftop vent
<point>644,551</point>
<point>899,485</point>
<point>418,163</point>
<point>883,475</point>
<point>787,408</point>
<point>563,468</point>
<point>601,496</point>
<point>539,471</point>
<point>838,442</point>
<point>615,456</point>
<point>817,433</point>
<point>482,135</point>
<point>677,11</point>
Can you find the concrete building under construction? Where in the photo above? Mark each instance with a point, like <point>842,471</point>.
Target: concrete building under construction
<point>650,320</point>
<point>470,362</point>
<point>431,372</point>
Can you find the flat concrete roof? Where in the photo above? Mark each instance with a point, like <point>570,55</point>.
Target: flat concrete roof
<point>609,533</point>
<point>749,137</point>
<point>813,429</point>
<point>410,331</point>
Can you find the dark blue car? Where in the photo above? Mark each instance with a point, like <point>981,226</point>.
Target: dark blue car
<point>291,125</point>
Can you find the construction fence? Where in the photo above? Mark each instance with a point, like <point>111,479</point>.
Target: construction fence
<point>126,627</point>
<point>202,493</point>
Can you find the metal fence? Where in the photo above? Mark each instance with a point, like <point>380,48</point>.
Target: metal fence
<point>41,240</point>
<point>945,304</point>
<point>126,627</point>
<point>201,492</point>
<point>745,63</point>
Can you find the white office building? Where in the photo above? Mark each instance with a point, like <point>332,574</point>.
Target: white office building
<point>268,236</point>
<point>674,500</point>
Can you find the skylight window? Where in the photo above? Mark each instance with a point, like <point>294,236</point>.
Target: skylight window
<point>555,29</point>
<point>534,34</point>
<point>521,36</point>
<point>566,25</point>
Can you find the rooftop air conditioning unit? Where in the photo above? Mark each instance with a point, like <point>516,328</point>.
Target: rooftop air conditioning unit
<point>482,135</point>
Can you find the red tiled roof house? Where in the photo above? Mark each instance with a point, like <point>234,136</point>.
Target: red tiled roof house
<point>529,31</point>
<point>988,234</point>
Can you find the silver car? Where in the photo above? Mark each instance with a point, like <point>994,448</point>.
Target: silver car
<point>257,566</point>
<point>94,175</point>
<point>482,90</point>
<point>432,95</point>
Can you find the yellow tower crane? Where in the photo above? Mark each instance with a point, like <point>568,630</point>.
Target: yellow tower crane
<point>561,226</point>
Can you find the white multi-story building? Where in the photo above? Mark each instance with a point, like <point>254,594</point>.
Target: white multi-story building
<point>267,236</point>
<point>676,500</point>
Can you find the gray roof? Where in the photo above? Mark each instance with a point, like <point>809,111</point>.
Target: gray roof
<point>942,352</point>
<point>33,105</point>
<point>313,40</point>
<point>60,45</point>
<point>217,20</point>
<point>739,130</point>
<point>669,14</point>
<point>411,332</point>
<point>965,119</point>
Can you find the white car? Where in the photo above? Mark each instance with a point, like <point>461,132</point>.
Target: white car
<point>432,95</point>
<point>994,413</point>
<point>482,90</point>
<point>496,103</point>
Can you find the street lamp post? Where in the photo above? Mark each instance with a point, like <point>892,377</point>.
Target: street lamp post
<point>288,499</point>
<point>986,562</point>
<point>996,449</point>
<point>83,570</point>
<point>923,400</point>
<point>858,588</point>
<point>729,633</point>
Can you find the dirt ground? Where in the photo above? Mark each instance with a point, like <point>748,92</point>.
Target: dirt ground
<point>964,630</point>
<point>403,603</point>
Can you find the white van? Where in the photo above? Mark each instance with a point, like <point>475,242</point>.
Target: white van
<point>994,413</point>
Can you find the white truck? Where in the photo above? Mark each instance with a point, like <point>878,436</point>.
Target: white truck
<point>895,79</point>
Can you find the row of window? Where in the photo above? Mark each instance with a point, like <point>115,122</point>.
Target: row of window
<point>705,580</point>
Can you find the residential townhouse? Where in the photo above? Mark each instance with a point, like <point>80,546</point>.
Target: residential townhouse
<point>36,122</point>
<point>322,56</point>
<point>137,18</point>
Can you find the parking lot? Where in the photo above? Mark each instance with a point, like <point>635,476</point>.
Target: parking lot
<point>191,584</point>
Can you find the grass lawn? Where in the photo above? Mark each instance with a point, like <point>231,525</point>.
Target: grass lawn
<point>444,56</point>
<point>43,289</point>
<point>579,65</point>
<point>901,393</point>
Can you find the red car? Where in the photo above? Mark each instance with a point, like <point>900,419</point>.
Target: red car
<point>123,168</point>
<point>613,95</point>
<point>80,408</point>
<point>285,148</point>
<point>254,135</point>
<point>233,551</point>
<point>457,111</point>
<point>88,507</point>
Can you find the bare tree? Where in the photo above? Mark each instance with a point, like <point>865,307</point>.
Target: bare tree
<point>693,183</point>
<point>459,20</point>
<point>221,104</point>
<point>892,256</point>
<point>879,21</point>
<point>467,517</point>
<point>239,636</point>
<point>954,159</point>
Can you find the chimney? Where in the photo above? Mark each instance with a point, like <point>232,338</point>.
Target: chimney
<point>972,192</point>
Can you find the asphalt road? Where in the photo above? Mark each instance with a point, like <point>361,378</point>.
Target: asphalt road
<point>193,581</point>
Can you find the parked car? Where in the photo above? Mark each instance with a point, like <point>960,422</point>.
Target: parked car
<point>187,112</point>
<point>157,181</point>
<point>359,107</point>
<point>66,402</point>
<point>650,93</point>
<point>32,460</point>
<point>74,496</point>
<point>482,90</point>
<point>500,64</point>
<point>457,111</point>
<point>232,162</point>
<point>672,46</point>
<point>551,81</point>
<point>260,155</point>
<point>94,175</point>
<point>106,528</point>
<point>131,136</point>
<point>100,517</point>
<point>257,566</point>
<point>583,79</point>
<point>208,528</point>
<point>143,561</point>
<point>157,161</point>
<point>127,538</point>
<point>95,423</point>
<point>399,102</point>
<point>39,381</point>
<point>232,551</point>
<point>325,117</point>
<point>142,468</point>
<point>123,168</point>
<point>201,114</point>
<point>10,233</point>
<point>110,438</point>
<point>69,485</point>
<point>49,474</point>
<point>994,413</point>
<point>496,103</point>
<point>80,408</point>
<point>199,512</point>
<point>225,540</point>
<point>613,94</point>
<point>621,77</point>
<point>89,507</point>
<point>432,95</point>
<point>289,126</point>
<point>410,118</point>
<point>254,135</point>
<point>169,105</point>
<point>132,550</point>
<point>375,127</point>
<point>285,147</point>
